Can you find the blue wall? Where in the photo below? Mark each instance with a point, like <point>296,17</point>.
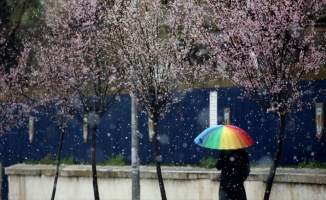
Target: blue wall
<point>177,131</point>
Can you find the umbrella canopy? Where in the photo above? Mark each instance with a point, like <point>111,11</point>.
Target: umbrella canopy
<point>224,137</point>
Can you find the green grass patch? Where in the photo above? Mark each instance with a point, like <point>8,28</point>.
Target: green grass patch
<point>117,160</point>
<point>208,163</point>
<point>47,160</point>
<point>69,161</point>
<point>312,164</point>
<point>50,160</point>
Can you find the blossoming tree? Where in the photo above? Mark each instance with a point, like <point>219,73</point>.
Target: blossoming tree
<point>154,47</point>
<point>76,65</point>
<point>40,94</point>
<point>12,111</point>
<point>266,47</point>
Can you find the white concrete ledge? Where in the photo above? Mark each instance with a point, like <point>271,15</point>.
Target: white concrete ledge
<point>284,175</point>
<point>180,182</point>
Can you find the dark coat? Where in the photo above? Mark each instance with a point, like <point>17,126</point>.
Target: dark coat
<point>235,168</point>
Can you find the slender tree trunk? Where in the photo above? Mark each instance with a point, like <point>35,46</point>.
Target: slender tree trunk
<point>58,159</point>
<point>277,156</point>
<point>158,160</point>
<point>93,150</point>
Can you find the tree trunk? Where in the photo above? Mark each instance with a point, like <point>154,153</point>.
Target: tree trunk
<point>277,156</point>
<point>58,159</point>
<point>93,150</point>
<point>158,160</point>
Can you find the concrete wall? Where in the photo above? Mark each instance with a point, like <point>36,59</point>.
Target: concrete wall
<point>35,182</point>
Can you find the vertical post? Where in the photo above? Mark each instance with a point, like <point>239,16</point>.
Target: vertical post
<point>85,129</point>
<point>213,108</point>
<point>319,120</point>
<point>135,152</point>
<point>31,128</point>
<point>227,116</point>
<point>134,146</point>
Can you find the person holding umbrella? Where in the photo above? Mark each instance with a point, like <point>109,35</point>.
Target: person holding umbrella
<point>235,168</point>
<point>233,160</point>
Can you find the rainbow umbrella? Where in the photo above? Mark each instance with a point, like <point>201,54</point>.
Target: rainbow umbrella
<point>224,137</point>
